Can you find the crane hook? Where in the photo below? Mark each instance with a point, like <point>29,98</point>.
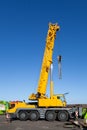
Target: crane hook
<point>59,66</point>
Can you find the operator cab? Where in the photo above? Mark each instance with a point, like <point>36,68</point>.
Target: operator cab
<point>61,97</point>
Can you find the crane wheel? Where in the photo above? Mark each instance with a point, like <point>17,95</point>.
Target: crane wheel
<point>50,115</point>
<point>33,115</point>
<point>23,115</point>
<point>63,115</point>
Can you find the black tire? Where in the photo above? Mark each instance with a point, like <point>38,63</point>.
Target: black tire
<point>23,115</point>
<point>50,116</point>
<point>63,116</point>
<point>33,115</point>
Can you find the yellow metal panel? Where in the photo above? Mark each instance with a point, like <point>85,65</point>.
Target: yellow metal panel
<point>50,103</point>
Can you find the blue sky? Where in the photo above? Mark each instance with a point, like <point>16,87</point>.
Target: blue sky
<point>23,30</point>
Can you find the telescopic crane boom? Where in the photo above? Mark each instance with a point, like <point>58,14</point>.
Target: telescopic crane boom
<point>46,63</point>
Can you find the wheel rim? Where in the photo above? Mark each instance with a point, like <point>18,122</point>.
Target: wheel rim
<point>23,115</point>
<point>34,116</point>
<point>63,116</point>
<point>50,116</point>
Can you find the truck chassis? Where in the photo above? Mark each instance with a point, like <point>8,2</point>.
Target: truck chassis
<point>49,114</point>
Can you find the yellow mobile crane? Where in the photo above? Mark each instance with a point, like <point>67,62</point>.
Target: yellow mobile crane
<point>44,107</point>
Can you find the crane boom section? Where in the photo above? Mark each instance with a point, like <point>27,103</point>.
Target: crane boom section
<point>47,59</point>
<point>46,63</point>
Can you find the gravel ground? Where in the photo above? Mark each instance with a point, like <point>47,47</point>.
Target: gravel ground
<point>32,125</point>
